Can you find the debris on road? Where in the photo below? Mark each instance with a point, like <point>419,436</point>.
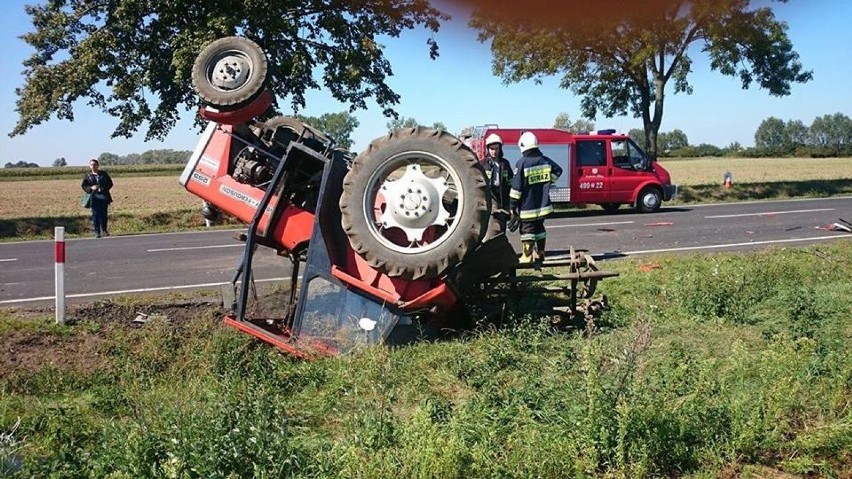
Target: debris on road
<point>660,223</point>
<point>840,225</point>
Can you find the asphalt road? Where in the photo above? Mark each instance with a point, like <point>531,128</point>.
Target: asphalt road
<point>175,261</point>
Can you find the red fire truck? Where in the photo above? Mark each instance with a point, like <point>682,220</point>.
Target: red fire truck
<point>601,168</point>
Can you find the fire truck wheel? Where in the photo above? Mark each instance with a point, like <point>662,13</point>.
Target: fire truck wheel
<point>415,203</point>
<point>610,207</point>
<point>649,200</point>
<point>230,73</point>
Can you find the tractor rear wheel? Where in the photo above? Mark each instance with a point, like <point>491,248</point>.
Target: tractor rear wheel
<point>230,73</point>
<point>415,203</point>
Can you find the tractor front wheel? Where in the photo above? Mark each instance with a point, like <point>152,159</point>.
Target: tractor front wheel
<point>230,73</point>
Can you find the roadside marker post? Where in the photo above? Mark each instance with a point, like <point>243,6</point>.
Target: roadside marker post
<point>59,254</point>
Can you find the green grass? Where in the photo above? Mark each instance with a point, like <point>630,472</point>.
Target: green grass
<point>706,366</point>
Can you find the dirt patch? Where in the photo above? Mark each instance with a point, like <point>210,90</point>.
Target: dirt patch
<point>126,314</point>
<point>26,351</point>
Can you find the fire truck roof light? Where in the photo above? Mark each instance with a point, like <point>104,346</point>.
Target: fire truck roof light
<point>610,131</point>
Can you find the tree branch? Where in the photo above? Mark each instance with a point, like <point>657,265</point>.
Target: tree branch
<point>689,38</point>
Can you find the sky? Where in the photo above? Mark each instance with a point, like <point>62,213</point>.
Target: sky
<point>459,89</point>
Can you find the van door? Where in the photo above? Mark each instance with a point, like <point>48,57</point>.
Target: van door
<point>627,172</point>
<point>592,178</point>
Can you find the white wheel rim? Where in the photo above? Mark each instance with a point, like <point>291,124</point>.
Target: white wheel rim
<point>414,185</point>
<point>650,200</point>
<point>230,70</point>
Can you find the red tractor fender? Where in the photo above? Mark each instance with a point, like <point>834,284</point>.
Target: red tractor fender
<point>241,115</point>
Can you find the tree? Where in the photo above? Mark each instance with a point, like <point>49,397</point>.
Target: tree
<point>337,125</point>
<point>402,123</point>
<point>832,133</point>
<point>21,164</point>
<point>60,162</point>
<point>796,134</point>
<point>133,58</point>
<point>670,141</point>
<point>562,121</point>
<point>637,135</point>
<point>770,135</point>
<point>624,65</point>
<point>582,125</point>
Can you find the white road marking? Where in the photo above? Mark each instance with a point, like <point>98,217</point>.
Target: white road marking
<point>592,224</point>
<point>730,245</point>
<point>139,290</point>
<point>769,213</point>
<point>6,260</point>
<point>187,248</point>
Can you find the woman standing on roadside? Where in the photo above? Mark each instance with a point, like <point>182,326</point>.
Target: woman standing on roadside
<point>98,183</point>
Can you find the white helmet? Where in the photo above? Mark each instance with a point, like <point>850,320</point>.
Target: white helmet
<point>527,141</point>
<point>493,138</point>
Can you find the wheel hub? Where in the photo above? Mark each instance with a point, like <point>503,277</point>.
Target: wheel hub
<point>413,203</point>
<point>650,200</point>
<point>230,72</point>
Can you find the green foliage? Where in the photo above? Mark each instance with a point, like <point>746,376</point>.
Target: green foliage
<point>20,164</point>
<point>828,135</point>
<point>564,122</point>
<point>139,50</point>
<point>620,66</point>
<point>337,125</point>
<point>402,123</point>
<point>150,157</point>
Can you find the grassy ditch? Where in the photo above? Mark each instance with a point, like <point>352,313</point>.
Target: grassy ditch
<point>726,365</point>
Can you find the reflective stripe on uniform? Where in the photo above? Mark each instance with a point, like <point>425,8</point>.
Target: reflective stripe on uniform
<point>527,215</point>
<point>533,236</point>
<point>514,194</point>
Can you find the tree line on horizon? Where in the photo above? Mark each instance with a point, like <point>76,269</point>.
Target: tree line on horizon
<point>827,136</point>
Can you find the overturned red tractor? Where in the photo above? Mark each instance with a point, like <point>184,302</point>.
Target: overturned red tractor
<point>384,246</point>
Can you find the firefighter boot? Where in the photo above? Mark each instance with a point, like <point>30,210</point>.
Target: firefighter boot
<point>528,252</point>
<point>539,252</point>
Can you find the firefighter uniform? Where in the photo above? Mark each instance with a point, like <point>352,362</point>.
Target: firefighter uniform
<point>530,196</point>
<point>498,171</point>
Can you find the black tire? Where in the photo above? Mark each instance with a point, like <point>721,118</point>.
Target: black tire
<point>610,207</point>
<point>649,200</point>
<point>230,73</point>
<point>456,220</point>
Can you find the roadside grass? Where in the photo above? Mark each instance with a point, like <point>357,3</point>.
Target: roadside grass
<point>730,364</point>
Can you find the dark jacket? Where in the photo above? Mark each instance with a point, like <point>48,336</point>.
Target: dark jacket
<point>103,181</point>
<point>499,174</point>
<point>530,194</point>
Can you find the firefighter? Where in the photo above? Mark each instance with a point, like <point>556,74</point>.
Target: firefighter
<point>498,170</point>
<point>530,196</point>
